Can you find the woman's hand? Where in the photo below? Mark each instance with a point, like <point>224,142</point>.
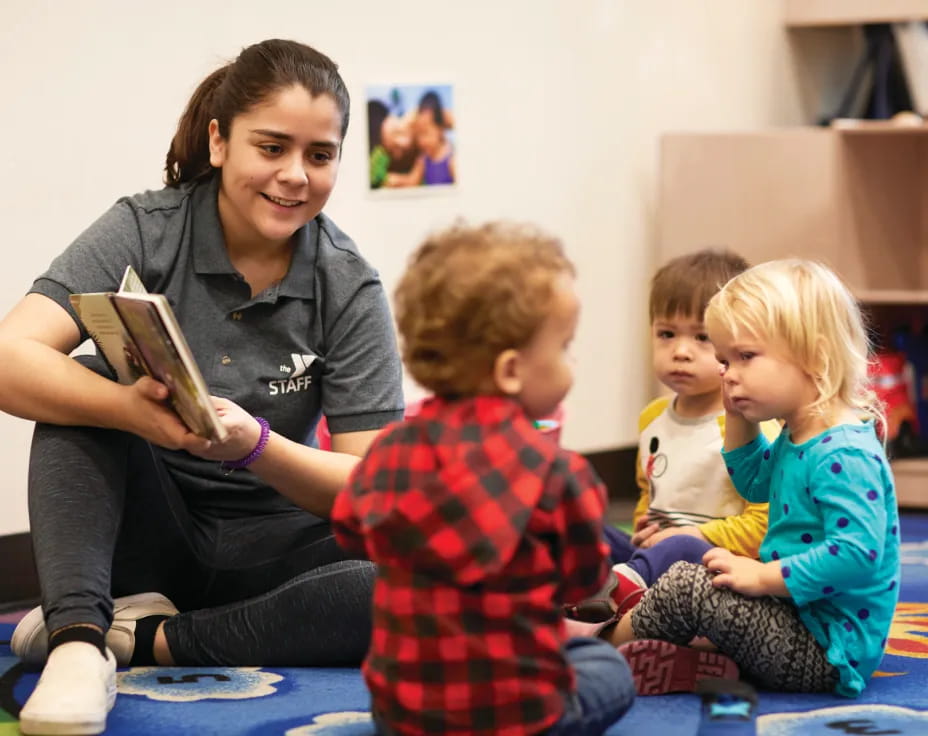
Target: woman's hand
<point>151,417</point>
<point>244,433</point>
<point>743,574</point>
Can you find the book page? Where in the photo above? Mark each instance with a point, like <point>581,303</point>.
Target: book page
<point>131,283</point>
<point>163,349</point>
<point>106,330</point>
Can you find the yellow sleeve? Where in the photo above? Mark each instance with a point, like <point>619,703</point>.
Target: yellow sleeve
<point>648,415</point>
<point>743,533</point>
<point>644,491</point>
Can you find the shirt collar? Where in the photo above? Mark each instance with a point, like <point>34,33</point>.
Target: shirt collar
<point>209,245</point>
<point>300,282</point>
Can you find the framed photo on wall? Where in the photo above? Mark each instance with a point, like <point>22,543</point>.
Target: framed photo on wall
<point>411,136</point>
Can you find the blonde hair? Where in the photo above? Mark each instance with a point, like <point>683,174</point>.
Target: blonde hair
<point>468,294</point>
<point>805,308</point>
<point>684,285</point>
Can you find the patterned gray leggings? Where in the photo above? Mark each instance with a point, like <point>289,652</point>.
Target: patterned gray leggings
<point>764,636</point>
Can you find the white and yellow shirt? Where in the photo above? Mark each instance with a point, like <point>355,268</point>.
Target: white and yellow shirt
<point>683,481</point>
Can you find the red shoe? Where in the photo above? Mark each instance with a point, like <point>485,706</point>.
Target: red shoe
<point>659,667</point>
<point>628,600</point>
<point>618,595</point>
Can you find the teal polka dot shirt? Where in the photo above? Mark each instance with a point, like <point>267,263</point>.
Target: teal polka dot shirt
<point>834,528</point>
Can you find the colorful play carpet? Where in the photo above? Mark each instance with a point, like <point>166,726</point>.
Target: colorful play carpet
<point>333,702</point>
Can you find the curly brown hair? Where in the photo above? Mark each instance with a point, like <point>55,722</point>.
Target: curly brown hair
<point>468,294</point>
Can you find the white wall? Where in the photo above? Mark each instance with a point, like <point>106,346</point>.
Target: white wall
<point>559,108</point>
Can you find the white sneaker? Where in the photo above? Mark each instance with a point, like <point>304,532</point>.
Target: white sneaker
<point>30,638</point>
<point>75,693</point>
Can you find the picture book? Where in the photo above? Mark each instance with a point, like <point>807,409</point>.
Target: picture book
<point>138,334</point>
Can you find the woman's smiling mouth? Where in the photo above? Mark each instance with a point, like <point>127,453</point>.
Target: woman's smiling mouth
<point>282,202</point>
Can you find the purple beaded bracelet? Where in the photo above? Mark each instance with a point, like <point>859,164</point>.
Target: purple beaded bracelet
<point>229,465</point>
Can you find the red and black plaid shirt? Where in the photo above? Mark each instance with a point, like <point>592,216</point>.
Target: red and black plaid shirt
<point>481,527</point>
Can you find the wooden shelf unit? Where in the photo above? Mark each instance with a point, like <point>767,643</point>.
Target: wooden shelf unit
<point>812,13</point>
<point>856,126</point>
<point>856,202</point>
<point>855,199</point>
<point>897,297</point>
<point>911,475</point>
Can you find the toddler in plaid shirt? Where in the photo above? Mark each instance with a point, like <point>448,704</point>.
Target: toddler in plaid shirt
<point>482,526</point>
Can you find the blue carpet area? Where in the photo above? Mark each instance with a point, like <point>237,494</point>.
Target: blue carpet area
<point>333,702</point>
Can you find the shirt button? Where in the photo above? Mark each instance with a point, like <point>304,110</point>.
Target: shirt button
<point>226,360</point>
<point>236,315</point>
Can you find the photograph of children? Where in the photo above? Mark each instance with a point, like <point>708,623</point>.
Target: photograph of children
<point>411,135</point>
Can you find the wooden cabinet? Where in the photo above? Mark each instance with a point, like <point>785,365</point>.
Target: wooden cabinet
<point>855,198</point>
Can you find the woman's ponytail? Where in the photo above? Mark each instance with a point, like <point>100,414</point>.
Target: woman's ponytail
<point>188,156</point>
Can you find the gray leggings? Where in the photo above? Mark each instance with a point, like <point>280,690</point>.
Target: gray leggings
<point>268,589</point>
<point>764,636</point>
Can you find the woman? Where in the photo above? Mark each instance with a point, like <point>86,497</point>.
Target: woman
<point>123,498</point>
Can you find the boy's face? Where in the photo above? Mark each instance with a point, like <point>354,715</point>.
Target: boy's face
<point>547,368</point>
<point>684,358</point>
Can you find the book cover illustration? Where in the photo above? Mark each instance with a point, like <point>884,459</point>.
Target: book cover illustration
<point>138,334</point>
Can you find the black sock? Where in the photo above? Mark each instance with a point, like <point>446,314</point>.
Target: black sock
<point>144,652</point>
<point>80,632</point>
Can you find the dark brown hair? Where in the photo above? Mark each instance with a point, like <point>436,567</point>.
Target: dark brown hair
<point>684,285</point>
<point>468,294</point>
<point>259,71</point>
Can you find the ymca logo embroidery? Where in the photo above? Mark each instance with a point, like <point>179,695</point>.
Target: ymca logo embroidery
<point>301,363</point>
<point>298,380</point>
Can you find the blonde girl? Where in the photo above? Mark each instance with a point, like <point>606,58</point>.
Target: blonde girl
<point>813,614</point>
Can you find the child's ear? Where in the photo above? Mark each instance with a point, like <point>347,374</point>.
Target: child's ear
<point>822,362</point>
<point>506,374</point>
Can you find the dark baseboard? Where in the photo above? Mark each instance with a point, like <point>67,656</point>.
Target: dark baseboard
<point>616,467</point>
<point>19,584</point>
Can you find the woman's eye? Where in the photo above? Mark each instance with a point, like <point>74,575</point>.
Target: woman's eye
<point>321,157</point>
<point>272,148</point>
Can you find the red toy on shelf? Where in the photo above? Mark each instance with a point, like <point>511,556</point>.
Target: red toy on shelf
<point>891,375</point>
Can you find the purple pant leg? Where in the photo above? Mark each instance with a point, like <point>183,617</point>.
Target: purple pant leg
<point>620,544</point>
<point>654,561</point>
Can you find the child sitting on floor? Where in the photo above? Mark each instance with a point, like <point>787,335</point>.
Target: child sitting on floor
<point>480,525</point>
<point>814,613</point>
<point>687,503</point>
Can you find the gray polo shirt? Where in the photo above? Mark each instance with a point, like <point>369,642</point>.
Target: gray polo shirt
<point>319,340</point>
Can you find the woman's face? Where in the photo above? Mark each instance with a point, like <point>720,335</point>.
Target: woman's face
<point>279,165</point>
